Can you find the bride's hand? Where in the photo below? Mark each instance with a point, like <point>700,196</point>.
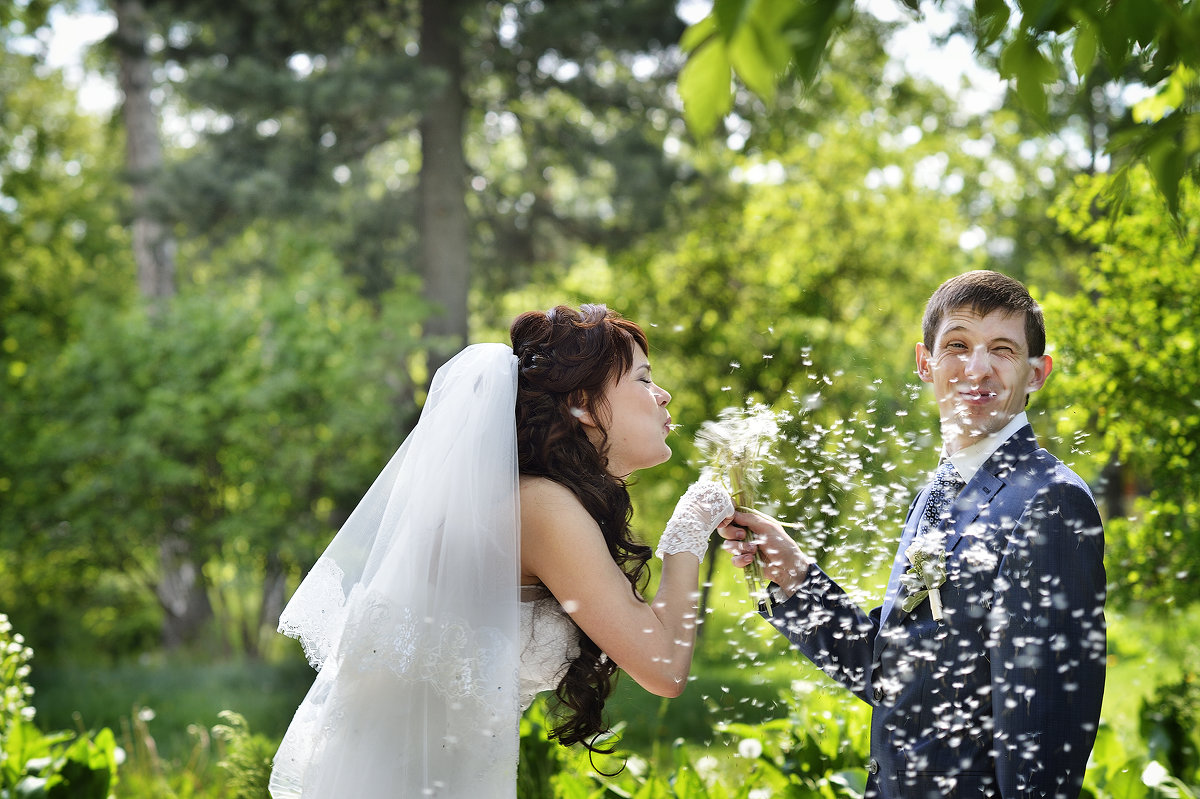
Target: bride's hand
<point>783,562</point>
<point>703,507</point>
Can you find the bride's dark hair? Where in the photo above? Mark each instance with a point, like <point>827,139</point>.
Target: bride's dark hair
<point>567,360</point>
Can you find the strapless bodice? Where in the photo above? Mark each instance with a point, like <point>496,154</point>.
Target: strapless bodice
<point>549,641</point>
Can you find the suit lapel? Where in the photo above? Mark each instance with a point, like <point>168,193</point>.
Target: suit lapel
<point>972,501</point>
<point>901,563</point>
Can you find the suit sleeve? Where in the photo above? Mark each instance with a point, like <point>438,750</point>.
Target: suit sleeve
<point>1047,645</point>
<point>831,630</point>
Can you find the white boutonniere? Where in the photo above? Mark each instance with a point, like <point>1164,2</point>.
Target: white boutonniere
<point>927,556</point>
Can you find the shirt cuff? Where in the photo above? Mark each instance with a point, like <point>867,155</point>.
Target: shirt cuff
<point>778,595</point>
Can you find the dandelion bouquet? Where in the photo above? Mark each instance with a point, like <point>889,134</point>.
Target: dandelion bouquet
<point>734,449</point>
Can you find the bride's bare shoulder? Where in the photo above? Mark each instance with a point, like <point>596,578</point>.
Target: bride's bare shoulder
<point>548,506</point>
<point>538,492</point>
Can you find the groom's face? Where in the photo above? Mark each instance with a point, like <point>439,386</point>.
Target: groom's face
<point>981,373</point>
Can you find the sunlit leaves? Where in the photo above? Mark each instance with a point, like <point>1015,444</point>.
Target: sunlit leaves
<point>1169,97</point>
<point>704,82</point>
<point>1023,61</point>
<point>991,20</point>
<point>1129,342</point>
<point>1085,48</point>
<point>243,418</point>
<point>759,41</point>
<point>1035,43</point>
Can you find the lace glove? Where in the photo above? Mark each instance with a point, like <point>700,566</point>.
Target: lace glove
<point>697,514</point>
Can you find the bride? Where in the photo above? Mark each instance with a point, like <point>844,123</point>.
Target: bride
<point>493,559</point>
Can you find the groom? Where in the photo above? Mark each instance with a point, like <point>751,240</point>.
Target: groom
<point>990,684</point>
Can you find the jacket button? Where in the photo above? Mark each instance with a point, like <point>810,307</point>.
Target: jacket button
<point>878,694</point>
<point>873,766</point>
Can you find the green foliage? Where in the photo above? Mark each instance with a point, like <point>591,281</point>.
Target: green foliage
<point>247,758</point>
<point>243,422</point>
<point>1042,48</point>
<point>1129,343</point>
<point>1118,773</point>
<point>1170,725</point>
<point>172,698</point>
<point>60,206</point>
<point>542,761</point>
<point>60,765</point>
<point>816,749</point>
<point>758,40</point>
<point>148,772</point>
<point>321,106</point>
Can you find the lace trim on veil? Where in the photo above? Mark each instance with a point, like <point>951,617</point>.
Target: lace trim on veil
<point>311,621</point>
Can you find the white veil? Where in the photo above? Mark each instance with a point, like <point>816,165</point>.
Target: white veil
<point>411,615</point>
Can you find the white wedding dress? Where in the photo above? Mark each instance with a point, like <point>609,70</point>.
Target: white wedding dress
<point>427,648</point>
<point>549,641</point>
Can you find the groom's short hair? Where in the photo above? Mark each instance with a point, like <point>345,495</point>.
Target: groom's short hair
<point>984,291</point>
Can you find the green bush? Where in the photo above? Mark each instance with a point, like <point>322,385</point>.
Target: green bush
<point>1169,725</point>
<point>247,760</point>
<point>59,765</point>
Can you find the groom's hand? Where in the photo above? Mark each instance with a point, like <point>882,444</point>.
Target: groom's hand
<point>783,563</point>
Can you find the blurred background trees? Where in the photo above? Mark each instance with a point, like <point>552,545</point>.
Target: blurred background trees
<point>221,299</point>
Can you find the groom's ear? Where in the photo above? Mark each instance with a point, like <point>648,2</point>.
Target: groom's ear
<point>924,371</point>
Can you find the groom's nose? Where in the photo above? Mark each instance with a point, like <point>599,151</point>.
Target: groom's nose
<point>978,362</point>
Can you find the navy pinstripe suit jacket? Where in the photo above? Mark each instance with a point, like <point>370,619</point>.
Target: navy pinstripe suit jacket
<point>1002,697</point>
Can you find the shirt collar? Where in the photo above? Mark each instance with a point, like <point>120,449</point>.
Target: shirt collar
<point>968,459</point>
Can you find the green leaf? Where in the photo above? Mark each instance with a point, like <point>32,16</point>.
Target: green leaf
<point>731,16</point>
<point>696,35</point>
<point>1024,61</point>
<point>810,28</point>
<point>1166,161</point>
<point>705,87</point>
<point>749,55</point>
<point>1084,49</point>
<point>687,781</point>
<point>1126,782</point>
<point>1170,97</point>
<point>991,18</point>
<point>1115,40</point>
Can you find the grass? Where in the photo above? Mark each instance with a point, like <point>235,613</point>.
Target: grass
<point>170,695</point>
<point>741,672</point>
<point>1146,649</point>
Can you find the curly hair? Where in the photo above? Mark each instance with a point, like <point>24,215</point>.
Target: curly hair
<point>567,358</point>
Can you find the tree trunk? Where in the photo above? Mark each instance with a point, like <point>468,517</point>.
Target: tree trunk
<point>1115,490</point>
<point>274,593</point>
<point>442,220</point>
<point>181,590</point>
<point>153,246</point>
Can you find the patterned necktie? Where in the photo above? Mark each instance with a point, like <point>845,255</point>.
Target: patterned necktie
<point>945,487</point>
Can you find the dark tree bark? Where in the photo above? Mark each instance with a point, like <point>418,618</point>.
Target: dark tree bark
<point>181,589</point>
<point>153,246</point>
<point>443,229</point>
<point>181,592</point>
